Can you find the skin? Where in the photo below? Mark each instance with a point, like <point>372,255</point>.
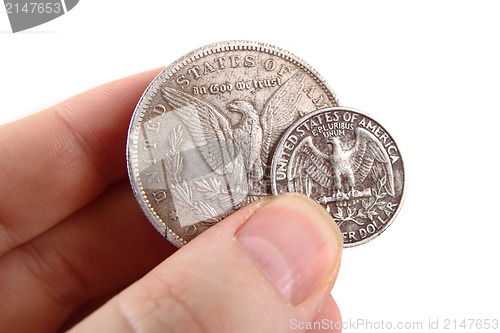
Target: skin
<point>73,241</point>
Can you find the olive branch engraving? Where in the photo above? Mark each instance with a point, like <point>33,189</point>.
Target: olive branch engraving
<point>369,208</point>
<point>211,188</point>
<point>173,157</point>
<point>180,189</point>
<point>350,215</point>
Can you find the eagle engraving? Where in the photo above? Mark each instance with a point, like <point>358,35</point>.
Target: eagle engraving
<point>224,145</point>
<point>340,171</point>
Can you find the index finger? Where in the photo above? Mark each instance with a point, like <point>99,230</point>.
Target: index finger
<point>58,160</point>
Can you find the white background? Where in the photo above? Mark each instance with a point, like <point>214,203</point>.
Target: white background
<point>427,70</point>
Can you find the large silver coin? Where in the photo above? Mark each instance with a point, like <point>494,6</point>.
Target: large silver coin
<point>203,134</point>
<point>348,163</point>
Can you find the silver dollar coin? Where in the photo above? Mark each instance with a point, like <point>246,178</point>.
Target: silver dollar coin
<point>202,137</point>
<point>347,162</point>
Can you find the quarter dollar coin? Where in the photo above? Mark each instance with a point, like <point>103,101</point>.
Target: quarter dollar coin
<point>347,162</point>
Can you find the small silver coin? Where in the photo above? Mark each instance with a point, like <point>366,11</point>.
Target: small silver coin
<point>202,137</point>
<point>347,162</point>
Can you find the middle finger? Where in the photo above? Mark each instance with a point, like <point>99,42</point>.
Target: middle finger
<point>102,248</point>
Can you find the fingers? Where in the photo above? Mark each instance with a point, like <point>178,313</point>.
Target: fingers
<point>256,271</point>
<point>58,160</point>
<point>96,252</point>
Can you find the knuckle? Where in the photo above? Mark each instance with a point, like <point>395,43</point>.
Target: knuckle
<point>55,273</point>
<point>160,307</point>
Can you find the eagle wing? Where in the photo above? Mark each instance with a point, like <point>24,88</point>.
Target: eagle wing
<point>369,158</point>
<point>210,130</point>
<point>307,164</point>
<point>279,113</point>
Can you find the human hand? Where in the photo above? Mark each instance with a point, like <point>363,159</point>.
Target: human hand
<point>73,240</point>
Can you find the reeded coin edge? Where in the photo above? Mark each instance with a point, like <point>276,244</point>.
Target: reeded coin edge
<point>342,108</point>
<point>152,90</point>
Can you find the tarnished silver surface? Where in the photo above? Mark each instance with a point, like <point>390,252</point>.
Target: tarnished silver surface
<point>203,135</point>
<point>348,163</point>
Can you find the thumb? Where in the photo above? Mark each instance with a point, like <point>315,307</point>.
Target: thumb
<point>266,267</point>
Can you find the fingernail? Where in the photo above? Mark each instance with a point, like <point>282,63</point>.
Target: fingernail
<point>295,243</point>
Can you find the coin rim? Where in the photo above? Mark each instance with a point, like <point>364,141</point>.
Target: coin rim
<point>152,90</point>
<point>292,127</point>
